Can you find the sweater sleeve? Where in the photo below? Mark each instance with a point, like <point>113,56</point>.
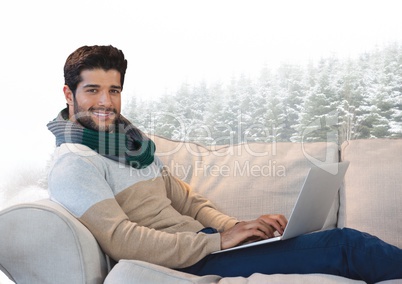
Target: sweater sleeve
<point>79,184</point>
<point>187,202</point>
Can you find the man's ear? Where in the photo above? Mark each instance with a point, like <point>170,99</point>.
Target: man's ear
<point>68,94</point>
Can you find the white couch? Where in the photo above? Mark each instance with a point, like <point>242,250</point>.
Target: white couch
<point>40,242</point>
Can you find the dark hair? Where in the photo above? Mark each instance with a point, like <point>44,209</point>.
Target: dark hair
<point>93,57</point>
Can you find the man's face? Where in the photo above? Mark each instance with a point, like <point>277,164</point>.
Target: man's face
<point>97,101</point>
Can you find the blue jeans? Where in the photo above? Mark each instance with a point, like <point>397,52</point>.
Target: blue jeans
<point>345,252</point>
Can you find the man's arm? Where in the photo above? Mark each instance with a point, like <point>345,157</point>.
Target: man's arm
<point>79,184</point>
<point>187,202</point>
<point>232,231</point>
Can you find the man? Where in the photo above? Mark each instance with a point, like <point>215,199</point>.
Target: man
<point>105,173</point>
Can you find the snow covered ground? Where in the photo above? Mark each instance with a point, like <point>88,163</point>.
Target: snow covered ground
<point>28,194</point>
<point>22,182</point>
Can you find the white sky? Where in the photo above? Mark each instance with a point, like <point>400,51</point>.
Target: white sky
<point>166,43</point>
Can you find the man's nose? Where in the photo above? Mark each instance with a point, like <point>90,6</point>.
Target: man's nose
<point>105,99</point>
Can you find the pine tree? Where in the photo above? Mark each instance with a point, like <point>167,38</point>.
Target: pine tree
<point>230,126</point>
<point>393,82</point>
<point>374,110</point>
<point>197,130</point>
<point>319,116</point>
<point>213,115</point>
<point>291,84</point>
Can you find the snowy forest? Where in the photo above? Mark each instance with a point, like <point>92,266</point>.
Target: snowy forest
<point>332,99</point>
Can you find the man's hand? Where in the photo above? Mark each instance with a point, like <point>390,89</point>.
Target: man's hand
<point>262,228</point>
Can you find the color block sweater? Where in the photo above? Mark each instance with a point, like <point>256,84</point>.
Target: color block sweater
<point>144,214</point>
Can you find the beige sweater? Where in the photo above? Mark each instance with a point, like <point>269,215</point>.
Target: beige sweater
<point>144,214</point>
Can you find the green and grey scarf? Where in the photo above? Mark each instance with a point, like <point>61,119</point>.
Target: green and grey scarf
<point>126,144</point>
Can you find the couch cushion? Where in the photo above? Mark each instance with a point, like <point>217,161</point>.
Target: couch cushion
<point>248,180</point>
<point>258,278</point>
<point>145,273</point>
<point>372,198</point>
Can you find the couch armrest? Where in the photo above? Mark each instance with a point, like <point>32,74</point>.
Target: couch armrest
<point>40,242</point>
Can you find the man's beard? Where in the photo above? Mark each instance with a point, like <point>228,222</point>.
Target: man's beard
<point>84,117</point>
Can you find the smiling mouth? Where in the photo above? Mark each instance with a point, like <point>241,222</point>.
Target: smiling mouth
<point>103,114</point>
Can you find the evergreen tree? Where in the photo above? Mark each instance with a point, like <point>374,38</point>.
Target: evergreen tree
<point>139,113</point>
<point>197,130</point>
<point>350,96</point>
<point>213,115</point>
<point>374,109</point>
<point>292,89</point>
<point>393,83</point>
<point>230,126</point>
<point>274,115</point>
<point>319,116</point>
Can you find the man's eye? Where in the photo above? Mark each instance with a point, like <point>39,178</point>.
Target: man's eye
<point>115,91</point>
<point>92,90</point>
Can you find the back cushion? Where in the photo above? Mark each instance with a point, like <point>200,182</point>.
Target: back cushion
<point>372,197</point>
<point>247,180</point>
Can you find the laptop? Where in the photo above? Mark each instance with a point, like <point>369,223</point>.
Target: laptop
<point>313,203</point>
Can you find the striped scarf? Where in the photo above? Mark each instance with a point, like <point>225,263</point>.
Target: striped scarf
<point>126,145</point>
